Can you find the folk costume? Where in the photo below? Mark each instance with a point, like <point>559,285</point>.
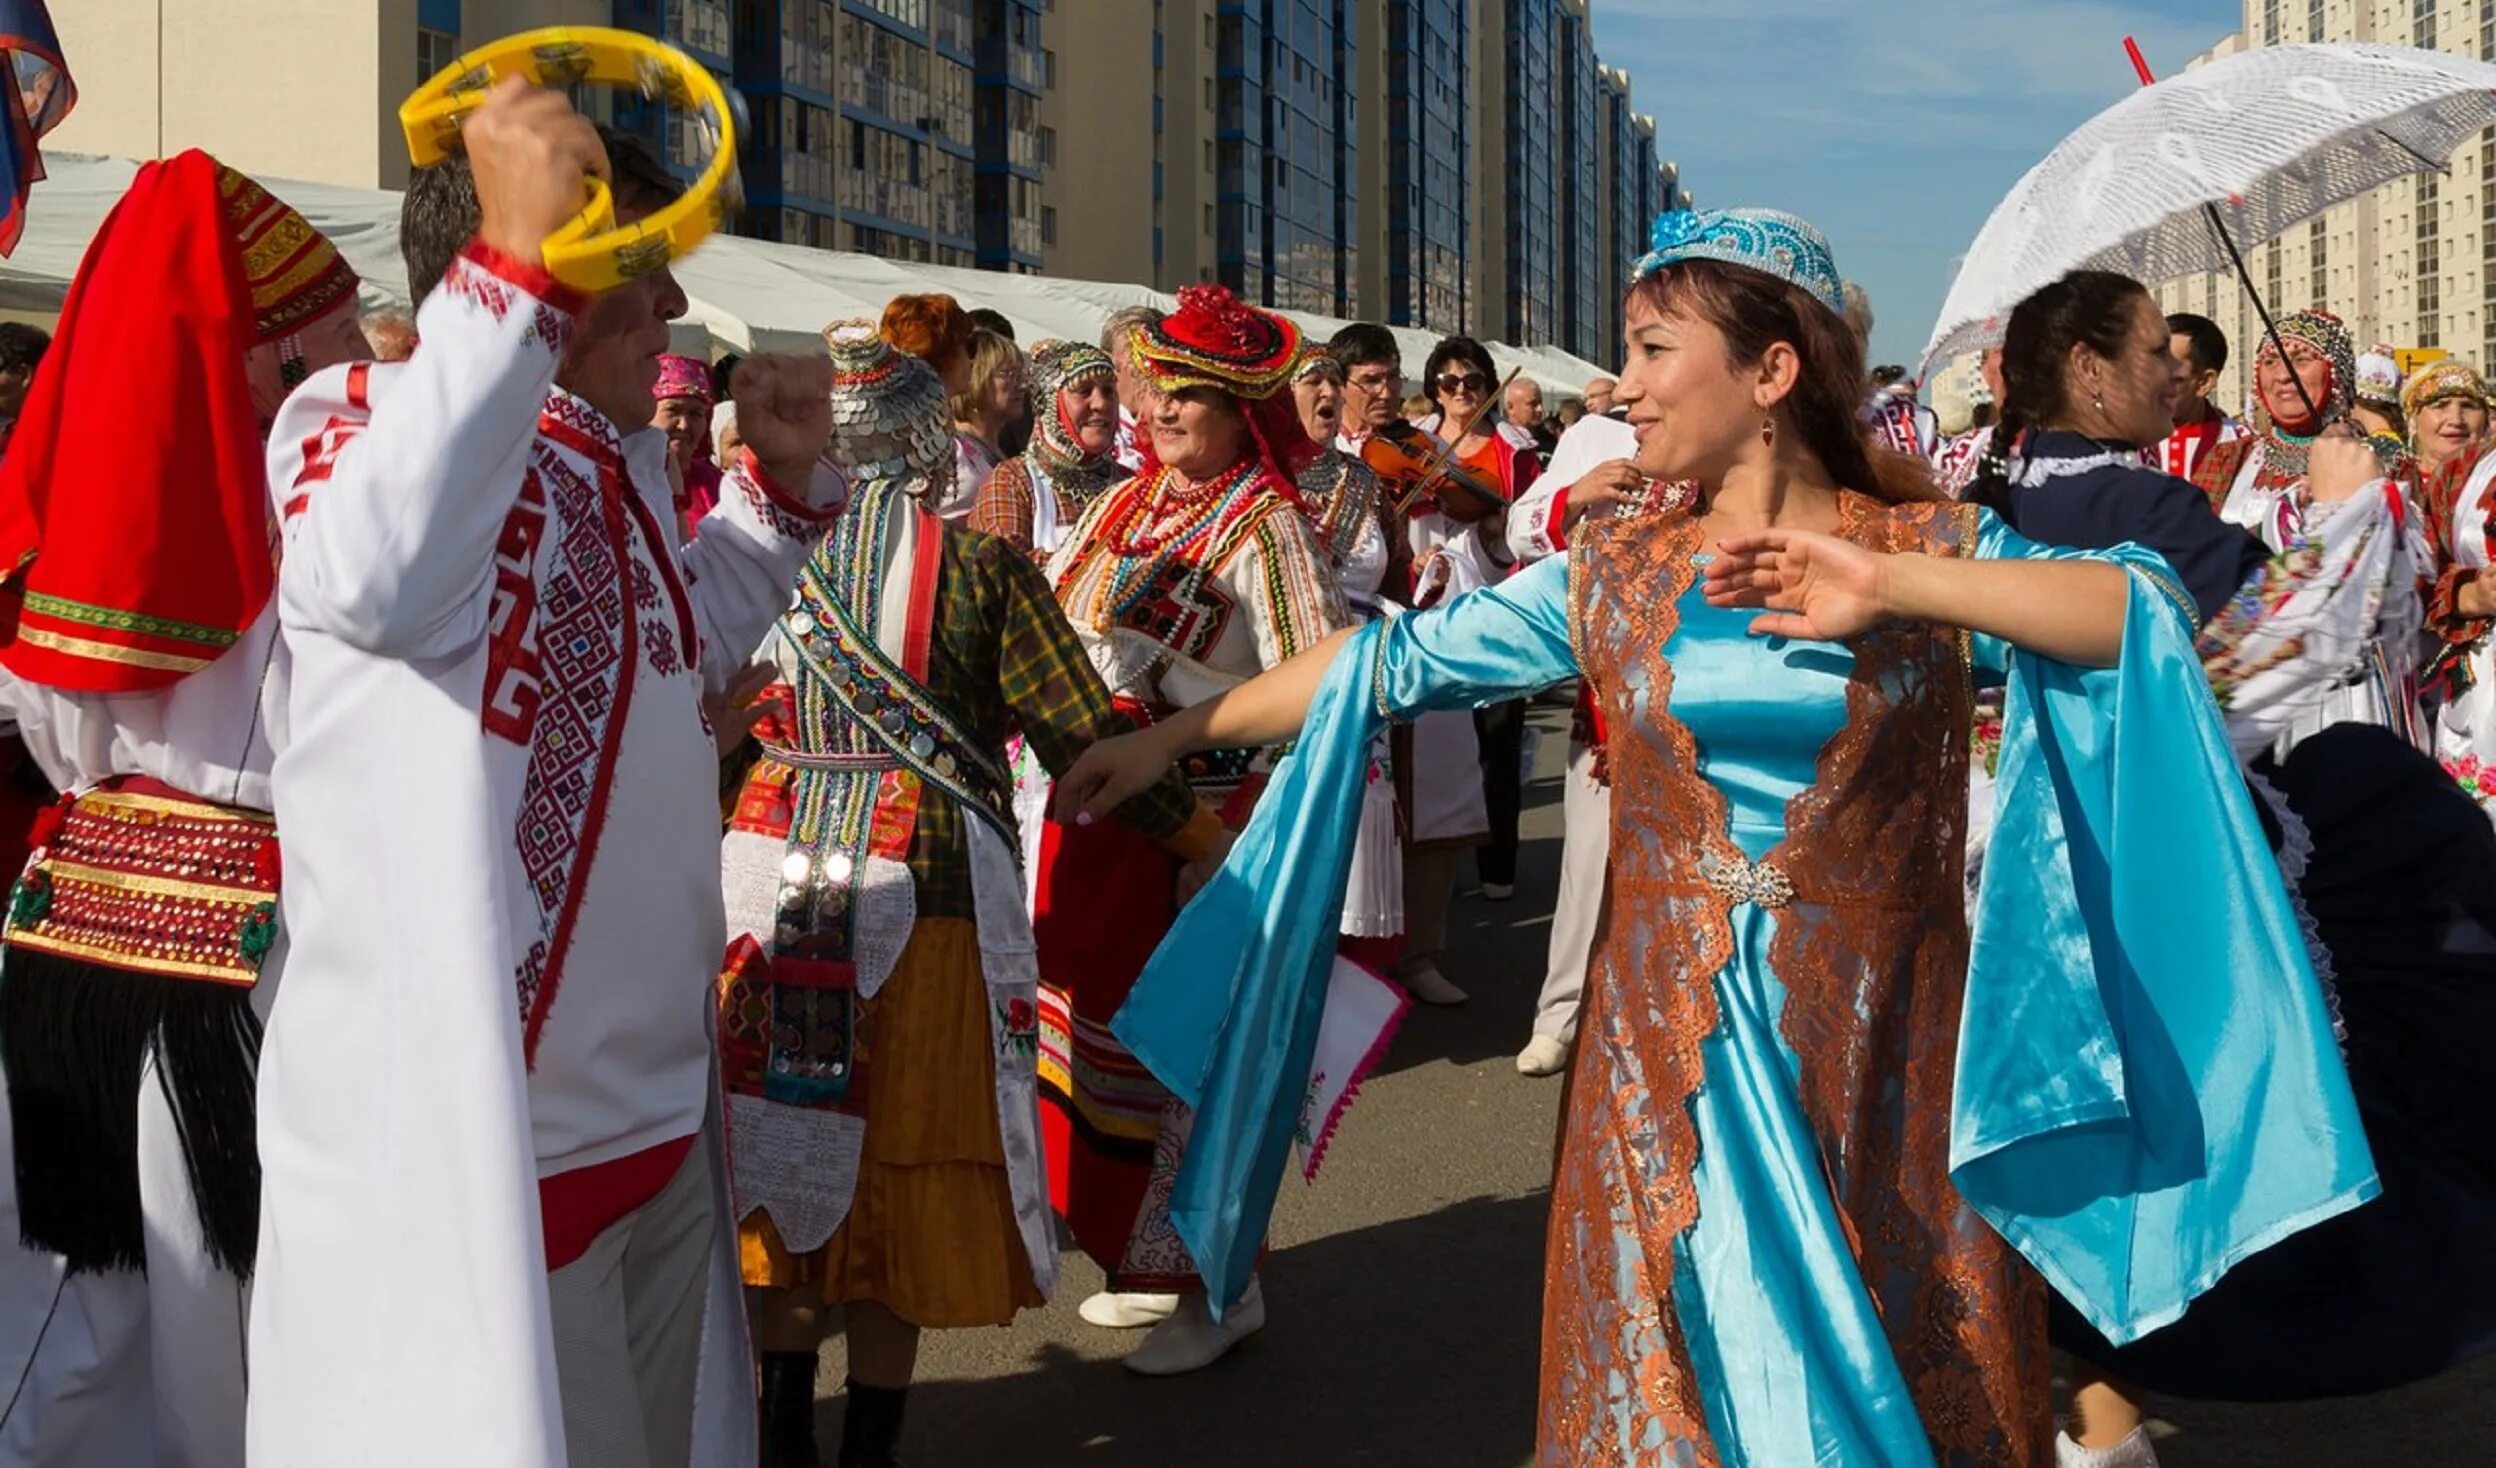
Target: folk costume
<point>1178,591</point>
<point>1813,1131</point>
<point>1034,498</point>
<point>2260,484</point>
<point>2390,872</point>
<point>495,1063</point>
<point>689,378</point>
<point>2181,452</point>
<point>144,671</point>
<point>1341,495</point>
<point>879,1019</point>
<point>2461,675</point>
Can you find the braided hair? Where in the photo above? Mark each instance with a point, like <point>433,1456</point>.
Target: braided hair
<point>2091,308</point>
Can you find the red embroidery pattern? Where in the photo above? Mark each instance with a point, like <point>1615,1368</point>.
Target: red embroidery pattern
<point>775,513</point>
<point>513,678</point>
<point>585,642</point>
<point>473,280</point>
<point>661,549</point>
<point>659,644</point>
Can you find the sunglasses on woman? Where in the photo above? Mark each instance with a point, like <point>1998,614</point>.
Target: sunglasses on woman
<point>1472,382</point>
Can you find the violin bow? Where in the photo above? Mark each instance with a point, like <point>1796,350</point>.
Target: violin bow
<point>1446,453</point>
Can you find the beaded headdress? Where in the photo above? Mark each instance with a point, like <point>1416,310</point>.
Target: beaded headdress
<point>1217,340</point>
<point>889,416</point>
<point>1056,366</point>
<point>2379,378</point>
<point>1315,361</point>
<point>2329,337</point>
<point>683,377</point>
<point>2441,382</point>
<point>1756,239</point>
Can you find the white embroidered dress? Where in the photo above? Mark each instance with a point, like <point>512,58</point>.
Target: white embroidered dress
<point>2355,656</point>
<point>500,806</point>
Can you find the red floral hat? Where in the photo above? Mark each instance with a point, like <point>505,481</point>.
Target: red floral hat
<point>1217,340</point>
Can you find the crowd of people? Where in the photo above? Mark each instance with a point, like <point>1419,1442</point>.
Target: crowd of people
<point>2019,889</point>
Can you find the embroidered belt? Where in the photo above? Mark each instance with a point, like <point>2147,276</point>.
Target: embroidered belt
<point>151,883</point>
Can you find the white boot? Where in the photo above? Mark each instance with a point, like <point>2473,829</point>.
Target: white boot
<point>1126,1310</point>
<point>1542,1056</point>
<point>2132,1452</point>
<point>1190,1340</point>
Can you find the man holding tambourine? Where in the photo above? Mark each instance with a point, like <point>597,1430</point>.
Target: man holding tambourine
<point>494,1219</point>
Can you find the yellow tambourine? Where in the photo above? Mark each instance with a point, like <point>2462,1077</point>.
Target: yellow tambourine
<point>590,252</point>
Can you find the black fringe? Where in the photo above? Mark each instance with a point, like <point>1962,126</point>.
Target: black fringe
<point>75,1038</point>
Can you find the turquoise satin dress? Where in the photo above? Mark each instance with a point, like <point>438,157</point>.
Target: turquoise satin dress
<point>2147,1088</point>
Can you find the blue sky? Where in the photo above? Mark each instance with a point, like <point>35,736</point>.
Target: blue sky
<point>1894,127</point>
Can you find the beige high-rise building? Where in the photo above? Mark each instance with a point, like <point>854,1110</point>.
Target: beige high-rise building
<point>1133,116</point>
<point>305,89</point>
<point>2412,264</point>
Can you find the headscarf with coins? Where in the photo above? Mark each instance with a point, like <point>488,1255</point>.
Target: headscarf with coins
<point>2285,450</point>
<point>889,416</point>
<point>1077,476</point>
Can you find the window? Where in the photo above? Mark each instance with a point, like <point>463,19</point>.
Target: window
<point>1048,225</point>
<point>435,52</point>
<point>2314,20</point>
<point>2430,263</point>
<point>2422,25</point>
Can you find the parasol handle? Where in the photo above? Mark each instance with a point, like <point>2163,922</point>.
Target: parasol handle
<point>2244,273</point>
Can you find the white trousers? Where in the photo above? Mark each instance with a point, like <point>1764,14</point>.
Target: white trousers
<point>628,1328</point>
<point>1585,854</point>
<point>114,1370</point>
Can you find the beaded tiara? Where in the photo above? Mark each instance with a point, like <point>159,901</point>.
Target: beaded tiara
<point>1756,239</point>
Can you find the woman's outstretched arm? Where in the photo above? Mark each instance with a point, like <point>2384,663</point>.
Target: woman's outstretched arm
<point>1267,709</point>
<point>1817,586</point>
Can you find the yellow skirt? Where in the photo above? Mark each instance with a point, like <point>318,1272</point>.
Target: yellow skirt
<point>930,1234</point>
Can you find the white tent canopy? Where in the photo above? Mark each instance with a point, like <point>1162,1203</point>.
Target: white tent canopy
<point>744,295</point>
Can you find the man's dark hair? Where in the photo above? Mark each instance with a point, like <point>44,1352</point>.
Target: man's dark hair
<point>1363,343</point>
<point>439,215</point>
<point>2209,344</point>
<point>21,346</point>
<point>993,320</point>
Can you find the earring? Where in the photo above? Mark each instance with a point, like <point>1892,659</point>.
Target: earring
<point>1768,432</point>
<point>291,370</point>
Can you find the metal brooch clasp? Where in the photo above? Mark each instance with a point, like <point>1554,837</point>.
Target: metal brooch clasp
<point>1742,880</point>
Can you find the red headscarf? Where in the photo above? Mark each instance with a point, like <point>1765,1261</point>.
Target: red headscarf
<point>136,538</point>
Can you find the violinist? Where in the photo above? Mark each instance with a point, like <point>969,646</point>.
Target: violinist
<point>1463,381</point>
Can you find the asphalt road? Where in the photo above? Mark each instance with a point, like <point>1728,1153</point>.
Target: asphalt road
<point>1403,1289</point>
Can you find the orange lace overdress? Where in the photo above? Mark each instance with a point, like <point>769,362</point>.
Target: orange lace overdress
<point>1853,909</point>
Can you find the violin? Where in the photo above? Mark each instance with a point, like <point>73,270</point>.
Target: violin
<point>1412,465</point>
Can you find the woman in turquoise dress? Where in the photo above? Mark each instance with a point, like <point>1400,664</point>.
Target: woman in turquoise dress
<point>1818,1151</point>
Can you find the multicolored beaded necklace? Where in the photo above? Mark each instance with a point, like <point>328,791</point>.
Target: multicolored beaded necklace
<point>1157,524</point>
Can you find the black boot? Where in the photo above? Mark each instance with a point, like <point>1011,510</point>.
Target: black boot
<point>789,1410</point>
<point>871,1428</point>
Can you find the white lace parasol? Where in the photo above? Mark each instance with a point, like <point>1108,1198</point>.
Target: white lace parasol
<point>2269,138</point>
